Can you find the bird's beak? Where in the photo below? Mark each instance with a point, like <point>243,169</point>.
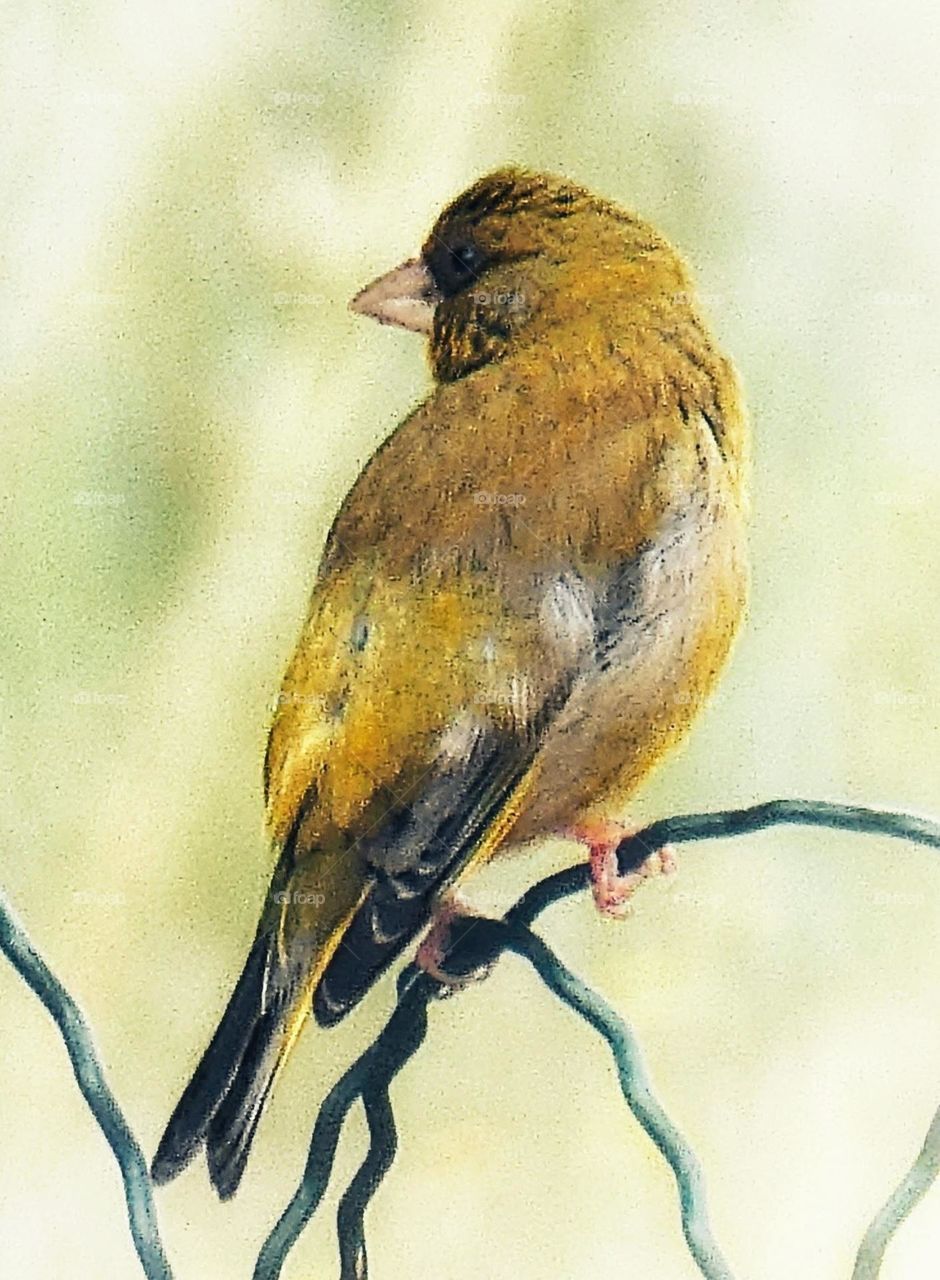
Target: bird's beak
<point>406,296</point>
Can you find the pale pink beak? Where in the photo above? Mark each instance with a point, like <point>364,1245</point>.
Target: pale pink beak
<point>406,296</point>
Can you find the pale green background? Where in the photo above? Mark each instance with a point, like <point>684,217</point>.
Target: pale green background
<point>191,192</point>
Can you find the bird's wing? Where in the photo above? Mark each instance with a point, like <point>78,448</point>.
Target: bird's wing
<point>410,719</point>
<point>408,725</point>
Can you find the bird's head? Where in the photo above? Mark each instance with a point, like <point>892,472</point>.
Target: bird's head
<point>515,254</point>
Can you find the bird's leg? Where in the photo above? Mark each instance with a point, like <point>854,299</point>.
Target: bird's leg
<point>613,891</point>
<point>432,952</point>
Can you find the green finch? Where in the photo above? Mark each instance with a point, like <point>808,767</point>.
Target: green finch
<point>522,604</point>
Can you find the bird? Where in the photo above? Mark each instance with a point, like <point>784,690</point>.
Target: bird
<point>522,604</point>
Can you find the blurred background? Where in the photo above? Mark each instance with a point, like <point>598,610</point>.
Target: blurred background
<point>190,194</point>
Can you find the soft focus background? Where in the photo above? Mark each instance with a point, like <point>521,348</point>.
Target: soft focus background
<point>190,194</point>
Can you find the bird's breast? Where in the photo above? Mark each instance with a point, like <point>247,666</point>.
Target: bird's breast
<point>663,626</point>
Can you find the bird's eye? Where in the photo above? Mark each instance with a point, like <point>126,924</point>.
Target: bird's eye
<point>466,260</point>
<point>454,267</point>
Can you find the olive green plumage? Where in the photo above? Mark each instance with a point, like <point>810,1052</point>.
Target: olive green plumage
<point>522,604</point>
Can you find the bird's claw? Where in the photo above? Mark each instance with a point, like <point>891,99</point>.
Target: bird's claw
<point>613,892</point>
<point>432,951</point>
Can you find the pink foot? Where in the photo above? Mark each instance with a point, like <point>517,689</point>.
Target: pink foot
<point>432,951</point>
<point>612,891</point>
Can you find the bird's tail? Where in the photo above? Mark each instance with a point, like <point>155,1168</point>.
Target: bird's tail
<point>221,1105</point>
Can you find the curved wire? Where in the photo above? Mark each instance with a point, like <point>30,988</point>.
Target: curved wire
<point>138,1192</point>
<point>638,1093</point>
<point>910,1191</point>
<point>399,1039</point>
<point>370,1076</point>
<point>484,943</point>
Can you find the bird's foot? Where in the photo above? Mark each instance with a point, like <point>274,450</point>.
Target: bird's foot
<point>451,917</point>
<point>613,892</point>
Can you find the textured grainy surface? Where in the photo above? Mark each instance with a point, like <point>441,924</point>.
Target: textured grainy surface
<point>191,194</point>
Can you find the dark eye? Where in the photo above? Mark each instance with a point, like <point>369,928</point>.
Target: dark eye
<point>456,266</point>
<point>466,260</point>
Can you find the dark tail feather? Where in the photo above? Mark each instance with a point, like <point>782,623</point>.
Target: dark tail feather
<point>221,1070</point>
<point>232,1127</point>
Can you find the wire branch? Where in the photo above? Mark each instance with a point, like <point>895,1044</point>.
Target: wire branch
<point>138,1192</point>
<point>480,944</point>
<point>910,1191</point>
<point>475,944</point>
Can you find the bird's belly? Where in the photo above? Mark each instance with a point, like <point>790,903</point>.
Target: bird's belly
<point>627,712</point>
